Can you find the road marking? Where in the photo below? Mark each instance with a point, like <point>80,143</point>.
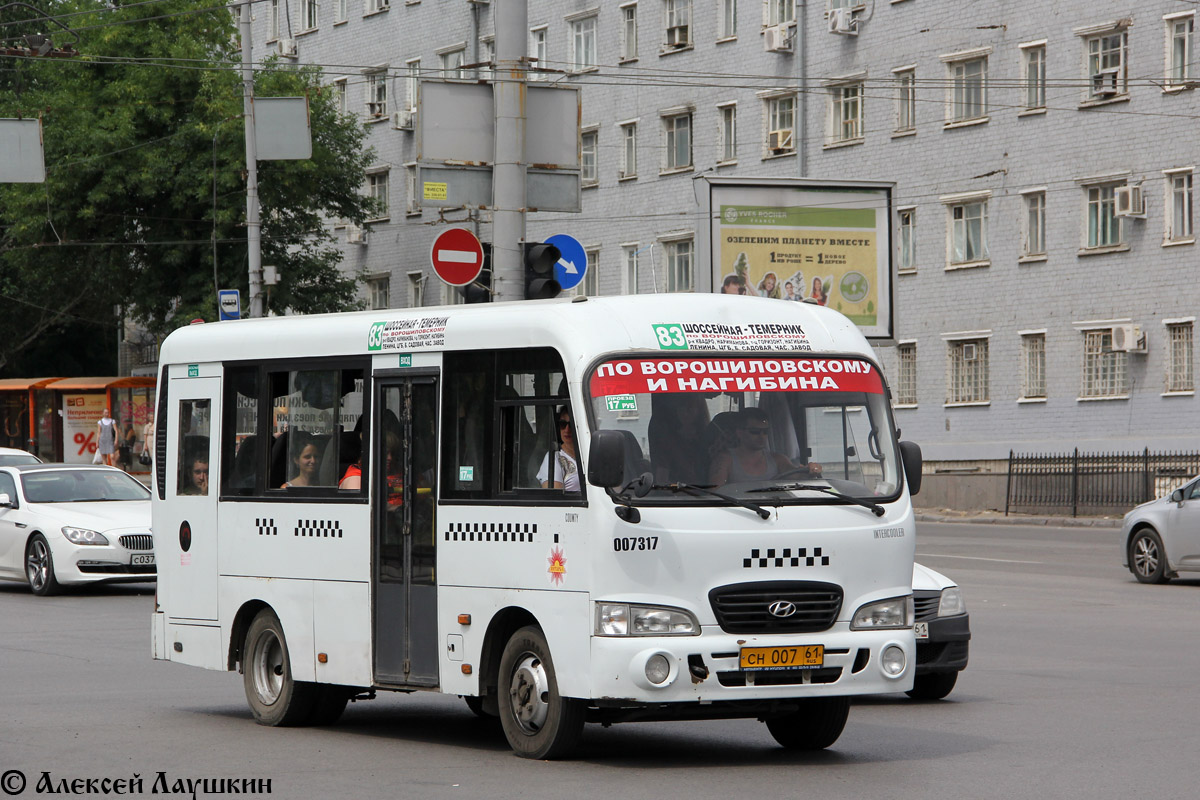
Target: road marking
<point>457,256</point>
<point>979,558</point>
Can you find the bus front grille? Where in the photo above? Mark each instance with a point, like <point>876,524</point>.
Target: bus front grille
<point>776,606</point>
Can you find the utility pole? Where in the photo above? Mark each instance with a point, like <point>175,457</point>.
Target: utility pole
<point>253,226</point>
<point>508,171</point>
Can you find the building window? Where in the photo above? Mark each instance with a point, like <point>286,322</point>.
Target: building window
<point>590,285</point>
<point>967,378</point>
<point>377,5</point>
<point>1033,366</point>
<point>968,232</point>
<point>1179,206</point>
<point>1106,65</point>
<point>310,14</point>
<point>1104,369</point>
<point>906,380</point>
<point>377,189</point>
<point>583,44</point>
<point>588,175</point>
<point>679,265</point>
<point>629,32</point>
<point>412,82</point>
<point>678,129</point>
<point>377,95</point>
<point>781,125</point>
<point>1179,50</point>
<point>906,100</point>
<point>727,27</point>
<point>908,239</point>
<point>1179,363</point>
<point>340,10</point>
<point>416,289</point>
<point>968,90</point>
<point>413,196</point>
<point>1033,64</point>
<point>339,95</point>
<point>273,21</point>
<point>628,150</point>
<point>629,271</point>
<point>451,296</point>
<point>845,113</point>
<point>451,63</point>
<point>780,12</point>
<point>1103,226</point>
<point>487,55</point>
<point>678,16</point>
<point>1035,223</point>
<point>537,52</point>
<point>728,142</point>
<point>379,291</point>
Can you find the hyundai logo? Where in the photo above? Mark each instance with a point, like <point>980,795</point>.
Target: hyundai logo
<point>782,608</point>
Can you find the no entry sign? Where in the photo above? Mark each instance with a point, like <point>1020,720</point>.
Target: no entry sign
<point>457,256</point>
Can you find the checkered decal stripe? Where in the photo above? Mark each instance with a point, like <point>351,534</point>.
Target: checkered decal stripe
<point>319,528</point>
<point>266,527</point>
<point>773,558</point>
<point>491,532</point>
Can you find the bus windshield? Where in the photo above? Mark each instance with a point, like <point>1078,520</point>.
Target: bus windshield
<point>766,429</point>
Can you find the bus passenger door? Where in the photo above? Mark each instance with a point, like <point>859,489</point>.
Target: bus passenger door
<point>404,473</point>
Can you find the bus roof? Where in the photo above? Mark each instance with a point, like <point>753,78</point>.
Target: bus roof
<point>580,328</point>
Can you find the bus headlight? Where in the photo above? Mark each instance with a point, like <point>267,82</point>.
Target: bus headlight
<point>895,612</point>
<point>623,619</point>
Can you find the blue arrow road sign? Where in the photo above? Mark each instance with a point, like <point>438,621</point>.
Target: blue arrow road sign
<point>572,263</point>
<point>229,303</point>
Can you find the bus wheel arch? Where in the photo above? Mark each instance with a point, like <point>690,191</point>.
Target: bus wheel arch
<point>237,635</point>
<point>503,625</point>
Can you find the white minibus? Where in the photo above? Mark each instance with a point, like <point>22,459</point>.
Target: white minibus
<point>602,510</point>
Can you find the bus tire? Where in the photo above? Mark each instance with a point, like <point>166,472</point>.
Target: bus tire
<point>933,685</point>
<point>274,697</point>
<point>817,724</point>
<point>538,722</point>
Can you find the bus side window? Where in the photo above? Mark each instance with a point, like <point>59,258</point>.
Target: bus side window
<point>194,419</point>
<point>240,450</point>
<point>467,424</point>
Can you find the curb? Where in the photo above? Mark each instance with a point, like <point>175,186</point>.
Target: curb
<point>1058,522</point>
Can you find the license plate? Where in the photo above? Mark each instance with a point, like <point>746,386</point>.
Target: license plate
<point>142,559</point>
<point>922,630</point>
<point>808,656</point>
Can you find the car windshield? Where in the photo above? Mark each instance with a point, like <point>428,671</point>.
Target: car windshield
<point>770,430</point>
<point>17,459</point>
<point>80,486</point>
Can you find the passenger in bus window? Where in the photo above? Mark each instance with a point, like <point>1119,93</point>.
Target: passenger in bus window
<point>751,459</point>
<point>304,462</point>
<point>566,467</point>
<point>197,477</point>
<point>352,449</point>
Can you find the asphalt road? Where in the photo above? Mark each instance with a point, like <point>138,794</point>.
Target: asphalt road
<point>1082,684</point>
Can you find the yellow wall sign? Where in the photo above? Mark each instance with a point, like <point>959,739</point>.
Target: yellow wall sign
<point>434,190</point>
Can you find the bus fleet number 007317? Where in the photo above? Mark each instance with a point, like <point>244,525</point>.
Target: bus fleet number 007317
<point>623,543</point>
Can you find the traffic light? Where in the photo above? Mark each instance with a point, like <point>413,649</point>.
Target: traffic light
<point>480,290</point>
<point>540,283</point>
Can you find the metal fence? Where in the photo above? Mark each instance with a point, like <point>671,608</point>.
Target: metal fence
<point>1093,483</point>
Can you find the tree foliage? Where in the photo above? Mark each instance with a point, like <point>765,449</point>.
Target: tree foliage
<point>126,218</point>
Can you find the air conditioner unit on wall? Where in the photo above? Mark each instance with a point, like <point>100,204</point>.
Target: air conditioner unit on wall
<point>1130,201</point>
<point>287,47</point>
<point>842,21</point>
<point>1128,339</point>
<point>779,140</point>
<point>1105,82</point>
<point>403,120</point>
<point>777,39</point>
<point>677,36</point>
<point>355,235</point>
<point>969,351</point>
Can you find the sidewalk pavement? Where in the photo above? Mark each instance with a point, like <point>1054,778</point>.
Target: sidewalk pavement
<point>990,517</point>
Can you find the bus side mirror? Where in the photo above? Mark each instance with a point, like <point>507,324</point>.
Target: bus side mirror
<point>910,454</point>
<point>606,459</point>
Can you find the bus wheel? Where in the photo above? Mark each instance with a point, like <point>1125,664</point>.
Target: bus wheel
<point>538,722</point>
<point>816,725</point>
<point>274,698</point>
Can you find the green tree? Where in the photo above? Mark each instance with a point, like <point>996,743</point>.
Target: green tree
<point>131,127</point>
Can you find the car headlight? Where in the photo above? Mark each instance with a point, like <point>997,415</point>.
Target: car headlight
<point>951,602</point>
<point>623,619</point>
<point>895,612</point>
<point>83,536</point>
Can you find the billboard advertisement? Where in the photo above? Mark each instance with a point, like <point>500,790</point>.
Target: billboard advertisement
<point>797,239</point>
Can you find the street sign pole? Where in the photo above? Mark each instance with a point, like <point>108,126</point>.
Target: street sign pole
<point>253,227</point>
<point>508,171</point>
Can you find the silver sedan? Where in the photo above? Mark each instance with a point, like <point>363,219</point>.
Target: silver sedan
<point>1161,539</point>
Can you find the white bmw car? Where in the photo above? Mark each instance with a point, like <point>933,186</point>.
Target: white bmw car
<point>66,524</point>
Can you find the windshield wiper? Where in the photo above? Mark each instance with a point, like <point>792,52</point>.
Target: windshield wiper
<point>687,487</point>
<point>876,509</point>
